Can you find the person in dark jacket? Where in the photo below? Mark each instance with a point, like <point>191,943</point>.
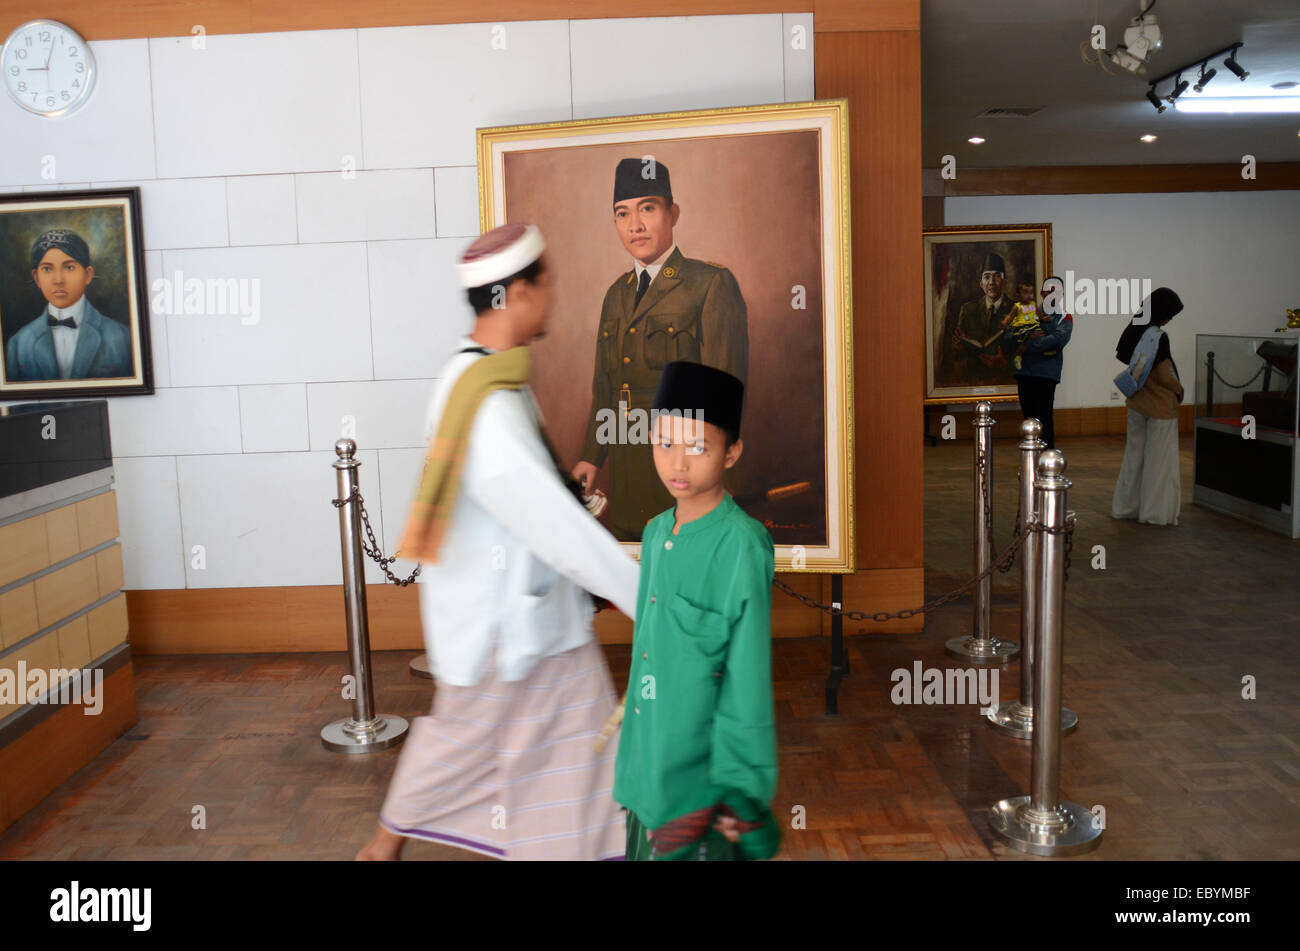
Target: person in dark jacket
<point>1041,358</point>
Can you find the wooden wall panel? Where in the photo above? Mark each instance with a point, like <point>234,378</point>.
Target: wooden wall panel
<point>880,74</point>
<point>127,19</point>
<point>1118,179</point>
<point>1109,420</point>
<point>310,618</point>
<point>39,761</point>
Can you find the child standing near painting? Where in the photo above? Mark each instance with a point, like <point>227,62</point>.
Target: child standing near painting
<point>696,765</point>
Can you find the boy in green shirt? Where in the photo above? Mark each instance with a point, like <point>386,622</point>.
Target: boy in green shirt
<point>696,764</point>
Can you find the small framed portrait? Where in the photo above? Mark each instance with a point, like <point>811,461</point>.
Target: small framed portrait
<point>974,276</point>
<point>667,243</point>
<point>74,317</point>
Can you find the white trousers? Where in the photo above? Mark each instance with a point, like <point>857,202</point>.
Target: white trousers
<point>1149,487</point>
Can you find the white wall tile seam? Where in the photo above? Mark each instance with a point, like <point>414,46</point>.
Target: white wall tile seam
<point>300,244</point>
<point>226,386</point>
<point>153,112</point>
<point>568,32</point>
<point>239,412</point>
<point>361,109</point>
<point>180,521</point>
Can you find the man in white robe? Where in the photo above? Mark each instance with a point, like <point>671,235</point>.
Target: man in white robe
<point>505,765</point>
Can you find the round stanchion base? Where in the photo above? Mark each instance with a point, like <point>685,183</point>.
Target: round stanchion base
<point>341,736</point>
<point>1079,832</point>
<point>420,667</point>
<point>982,652</point>
<point>1016,719</point>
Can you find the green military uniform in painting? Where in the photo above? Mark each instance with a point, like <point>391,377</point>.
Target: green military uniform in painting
<point>692,311</point>
<point>699,727</point>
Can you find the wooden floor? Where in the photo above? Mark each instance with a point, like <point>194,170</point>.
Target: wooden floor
<point>1156,648</point>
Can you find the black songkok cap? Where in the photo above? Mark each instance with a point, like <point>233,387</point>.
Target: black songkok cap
<point>694,388</point>
<point>69,242</point>
<point>642,178</point>
<point>993,262</point>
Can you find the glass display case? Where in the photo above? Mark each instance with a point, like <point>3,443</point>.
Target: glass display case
<point>1246,434</point>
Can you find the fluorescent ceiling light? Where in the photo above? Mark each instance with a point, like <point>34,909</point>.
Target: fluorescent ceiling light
<point>1148,137</point>
<point>1238,104</point>
<point>975,140</point>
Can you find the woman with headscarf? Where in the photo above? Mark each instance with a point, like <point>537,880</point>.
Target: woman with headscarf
<point>1149,487</point>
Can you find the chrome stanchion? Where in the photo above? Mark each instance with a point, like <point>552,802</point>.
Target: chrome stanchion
<point>365,731</point>
<point>420,666</point>
<point>1017,718</point>
<point>1042,823</point>
<point>982,649</point>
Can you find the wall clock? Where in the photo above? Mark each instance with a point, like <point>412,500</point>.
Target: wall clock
<point>48,68</point>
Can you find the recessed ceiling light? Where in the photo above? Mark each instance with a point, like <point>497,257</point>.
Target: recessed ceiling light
<point>975,140</point>
<point>1148,137</point>
<point>1285,85</point>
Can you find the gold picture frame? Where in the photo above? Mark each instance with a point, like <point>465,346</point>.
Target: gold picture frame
<point>790,264</point>
<point>959,368</point>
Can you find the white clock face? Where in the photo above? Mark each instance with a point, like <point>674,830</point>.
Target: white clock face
<point>48,69</point>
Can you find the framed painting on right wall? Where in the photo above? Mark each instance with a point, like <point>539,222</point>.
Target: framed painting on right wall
<point>972,276</point>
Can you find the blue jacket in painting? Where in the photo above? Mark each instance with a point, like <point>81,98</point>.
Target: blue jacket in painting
<point>103,350</point>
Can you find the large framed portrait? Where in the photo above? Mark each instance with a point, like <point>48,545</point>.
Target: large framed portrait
<point>719,237</point>
<point>974,277</point>
<point>74,316</point>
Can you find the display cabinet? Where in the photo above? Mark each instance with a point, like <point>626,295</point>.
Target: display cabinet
<point>1246,434</point>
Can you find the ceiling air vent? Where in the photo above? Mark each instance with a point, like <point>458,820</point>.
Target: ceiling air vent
<point>1010,112</point>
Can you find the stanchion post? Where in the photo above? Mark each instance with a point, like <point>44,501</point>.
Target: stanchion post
<point>1017,717</point>
<point>364,731</point>
<point>839,652</point>
<point>1042,823</point>
<point>982,649</point>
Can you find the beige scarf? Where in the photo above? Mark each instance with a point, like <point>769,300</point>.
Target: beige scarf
<point>440,484</point>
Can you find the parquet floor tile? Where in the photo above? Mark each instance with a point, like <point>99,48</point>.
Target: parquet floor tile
<point>1157,645</point>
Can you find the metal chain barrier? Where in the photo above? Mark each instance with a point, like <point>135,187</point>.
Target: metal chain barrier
<point>1005,561</point>
<point>1240,386</point>
<point>1007,557</point>
<point>371,547</point>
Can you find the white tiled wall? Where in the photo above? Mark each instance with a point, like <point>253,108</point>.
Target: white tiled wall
<point>337,170</point>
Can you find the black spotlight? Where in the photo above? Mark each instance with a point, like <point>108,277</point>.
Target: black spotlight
<point>1206,76</point>
<point>1235,67</point>
<point>1155,100</point>
<point>1180,87</point>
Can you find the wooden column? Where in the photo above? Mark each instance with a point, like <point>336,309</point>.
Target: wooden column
<point>879,72</point>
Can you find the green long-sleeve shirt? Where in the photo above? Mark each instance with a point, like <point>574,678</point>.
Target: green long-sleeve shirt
<point>699,728</point>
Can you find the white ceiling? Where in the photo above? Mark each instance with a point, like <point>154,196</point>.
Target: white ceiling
<point>977,54</point>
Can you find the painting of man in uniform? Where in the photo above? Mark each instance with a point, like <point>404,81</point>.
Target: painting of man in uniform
<point>69,297</point>
<point>971,292</point>
<point>674,250</point>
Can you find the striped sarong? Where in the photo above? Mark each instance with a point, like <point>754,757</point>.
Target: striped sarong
<point>508,769</point>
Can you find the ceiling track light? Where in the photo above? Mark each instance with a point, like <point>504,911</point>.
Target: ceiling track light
<point>1180,87</point>
<point>1205,75</point>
